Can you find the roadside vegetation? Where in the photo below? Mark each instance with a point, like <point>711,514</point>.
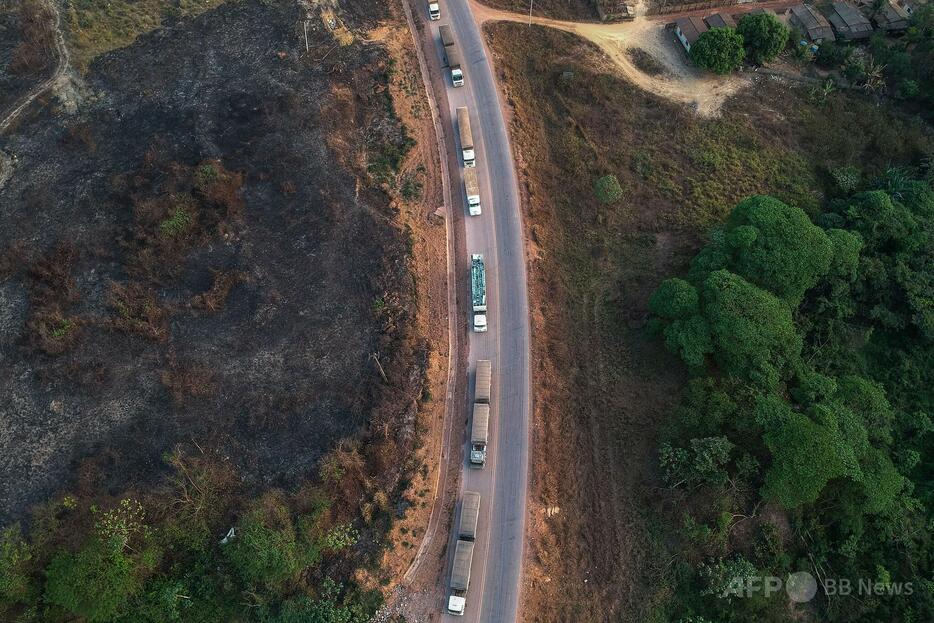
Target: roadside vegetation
<point>653,511</point>
<point>799,445</point>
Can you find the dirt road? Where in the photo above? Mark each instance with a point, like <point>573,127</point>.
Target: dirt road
<point>680,81</point>
<point>63,61</point>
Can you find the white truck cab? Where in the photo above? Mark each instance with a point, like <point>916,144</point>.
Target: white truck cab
<point>434,11</point>
<point>479,322</point>
<point>456,605</point>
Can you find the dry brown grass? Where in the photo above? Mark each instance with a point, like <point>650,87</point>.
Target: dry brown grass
<point>215,298</point>
<point>36,51</point>
<point>604,386</point>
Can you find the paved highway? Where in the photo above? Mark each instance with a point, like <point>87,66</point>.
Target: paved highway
<point>493,596</point>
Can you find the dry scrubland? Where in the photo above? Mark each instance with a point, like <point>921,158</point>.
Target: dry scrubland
<point>201,268</point>
<point>604,385</point>
<point>578,10</point>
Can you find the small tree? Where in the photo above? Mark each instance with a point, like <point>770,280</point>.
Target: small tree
<point>607,189</point>
<point>719,50</point>
<point>764,36</point>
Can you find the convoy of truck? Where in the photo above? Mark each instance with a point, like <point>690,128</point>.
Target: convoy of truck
<point>478,292</point>
<point>480,420</point>
<point>463,553</point>
<point>463,130</point>
<point>452,55</point>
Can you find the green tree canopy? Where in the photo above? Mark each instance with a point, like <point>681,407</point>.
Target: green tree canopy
<point>772,245</point>
<point>719,50</point>
<point>805,456</point>
<point>95,583</point>
<point>764,36</point>
<point>753,333</point>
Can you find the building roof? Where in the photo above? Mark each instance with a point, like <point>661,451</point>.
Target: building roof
<point>848,22</point>
<point>892,17</point>
<point>720,20</point>
<point>815,25</point>
<point>692,28</point>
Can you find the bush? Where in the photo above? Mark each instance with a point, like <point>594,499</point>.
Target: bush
<point>607,189</point>
<point>832,55</point>
<point>719,50</point>
<point>94,583</point>
<point>764,36</point>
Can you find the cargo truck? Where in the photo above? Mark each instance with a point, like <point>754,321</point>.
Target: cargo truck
<point>452,55</point>
<point>472,189</point>
<point>434,11</point>
<point>484,382</point>
<point>463,128</point>
<point>470,516</point>
<point>479,434</point>
<point>478,292</point>
<point>460,577</point>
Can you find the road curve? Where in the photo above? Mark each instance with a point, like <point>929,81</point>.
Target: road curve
<point>495,582</point>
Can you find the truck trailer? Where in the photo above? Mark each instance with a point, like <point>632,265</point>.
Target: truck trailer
<point>472,190</point>
<point>434,10</point>
<point>452,55</point>
<point>470,516</point>
<point>479,434</point>
<point>463,128</point>
<point>460,577</point>
<point>484,381</point>
<point>478,292</point>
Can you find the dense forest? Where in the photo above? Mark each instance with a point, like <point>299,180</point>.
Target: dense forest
<point>803,442</point>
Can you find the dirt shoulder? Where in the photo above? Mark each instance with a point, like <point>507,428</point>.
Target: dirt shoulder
<point>600,520</point>
<point>577,10</point>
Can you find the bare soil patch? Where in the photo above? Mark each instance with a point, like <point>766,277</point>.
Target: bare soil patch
<point>577,10</point>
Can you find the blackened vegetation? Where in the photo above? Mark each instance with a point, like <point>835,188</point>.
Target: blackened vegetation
<point>27,47</point>
<point>207,257</point>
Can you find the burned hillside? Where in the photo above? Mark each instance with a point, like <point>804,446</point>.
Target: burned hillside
<point>203,254</point>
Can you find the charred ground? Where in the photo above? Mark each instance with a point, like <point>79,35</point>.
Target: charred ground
<point>203,255</point>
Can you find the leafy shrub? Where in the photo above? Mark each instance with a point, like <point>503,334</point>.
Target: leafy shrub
<point>607,189</point>
<point>764,36</point>
<point>719,50</point>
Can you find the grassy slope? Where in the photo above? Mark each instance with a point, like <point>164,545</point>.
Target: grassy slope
<point>99,26</point>
<point>557,9</point>
<point>604,386</point>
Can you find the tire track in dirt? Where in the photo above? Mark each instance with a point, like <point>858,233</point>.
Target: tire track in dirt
<point>63,63</point>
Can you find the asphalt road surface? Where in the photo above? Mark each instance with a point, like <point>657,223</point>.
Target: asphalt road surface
<point>493,596</point>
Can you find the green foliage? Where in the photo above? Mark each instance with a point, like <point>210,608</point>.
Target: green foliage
<point>15,566</point>
<point>764,36</point>
<point>831,55</point>
<point>806,455</point>
<point>263,555</point>
<point>719,50</point>
<point>703,463</point>
<point>753,334</point>
<point>675,298</point>
<point>95,583</point>
<point>178,223</point>
<point>607,189</point>
<point>772,245</point>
